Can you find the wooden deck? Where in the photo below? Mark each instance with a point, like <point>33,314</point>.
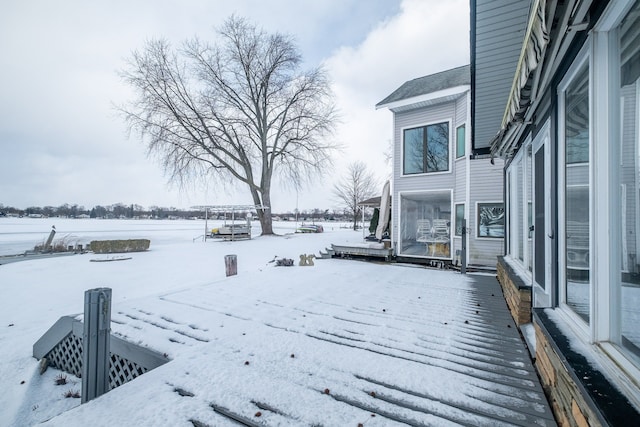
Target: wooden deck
<point>409,353</point>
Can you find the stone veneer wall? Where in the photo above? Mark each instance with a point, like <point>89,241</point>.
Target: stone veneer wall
<point>565,396</point>
<point>516,292</point>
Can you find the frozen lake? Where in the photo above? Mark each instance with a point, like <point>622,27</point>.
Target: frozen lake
<point>20,234</point>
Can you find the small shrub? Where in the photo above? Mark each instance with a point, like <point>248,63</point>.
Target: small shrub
<point>72,393</point>
<point>119,246</point>
<point>61,379</point>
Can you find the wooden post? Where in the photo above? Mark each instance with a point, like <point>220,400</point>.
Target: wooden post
<point>231,265</point>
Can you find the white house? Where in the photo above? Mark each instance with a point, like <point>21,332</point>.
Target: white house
<point>438,180</point>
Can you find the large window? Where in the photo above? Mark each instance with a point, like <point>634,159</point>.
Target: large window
<point>425,224</point>
<point>426,149</point>
<point>519,202</point>
<point>629,181</point>
<point>576,225</point>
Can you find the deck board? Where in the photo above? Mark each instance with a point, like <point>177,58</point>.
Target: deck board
<point>379,361</point>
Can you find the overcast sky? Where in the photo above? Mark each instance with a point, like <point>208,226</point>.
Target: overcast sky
<point>62,142</point>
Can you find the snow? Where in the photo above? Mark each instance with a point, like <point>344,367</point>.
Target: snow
<point>529,334</point>
<point>284,321</point>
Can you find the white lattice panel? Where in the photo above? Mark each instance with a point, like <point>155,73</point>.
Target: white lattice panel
<point>67,356</point>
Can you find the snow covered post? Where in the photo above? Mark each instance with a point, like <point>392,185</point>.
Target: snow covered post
<point>96,343</point>
<point>231,265</point>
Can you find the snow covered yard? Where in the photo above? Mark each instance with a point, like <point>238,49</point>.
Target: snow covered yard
<point>336,344</point>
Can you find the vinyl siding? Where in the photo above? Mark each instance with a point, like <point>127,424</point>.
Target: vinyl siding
<point>500,28</point>
<point>486,186</point>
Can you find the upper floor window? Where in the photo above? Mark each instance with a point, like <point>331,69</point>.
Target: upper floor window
<point>460,141</point>
<point>426,149</point>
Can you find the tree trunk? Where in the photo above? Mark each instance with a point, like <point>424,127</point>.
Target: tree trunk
<point>264,215</point>
<point>355,220</point>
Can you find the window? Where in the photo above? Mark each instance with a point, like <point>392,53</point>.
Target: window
<point>426,149</point>
<point>575,144</point>
<point>460,141</point>
<point>425,224</point>
<point>459,218</point>
<point>629,181</point>
<point>491,220</point>
<point>519,180</point>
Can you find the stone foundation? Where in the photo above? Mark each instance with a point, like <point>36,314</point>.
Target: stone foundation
<point>579,393</point>
<point>516,292</point>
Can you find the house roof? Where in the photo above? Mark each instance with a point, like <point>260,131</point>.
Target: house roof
<point>460,76</point>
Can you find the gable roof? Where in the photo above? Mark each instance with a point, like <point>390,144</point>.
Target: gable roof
<point>460,76</point>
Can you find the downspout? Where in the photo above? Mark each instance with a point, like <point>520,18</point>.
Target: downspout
<point>468,143</point>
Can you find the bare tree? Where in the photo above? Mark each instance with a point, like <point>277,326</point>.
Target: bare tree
<point>357,185</point>
<point>236,111</point>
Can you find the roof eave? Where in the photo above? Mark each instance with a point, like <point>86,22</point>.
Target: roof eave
<point>426,98</point>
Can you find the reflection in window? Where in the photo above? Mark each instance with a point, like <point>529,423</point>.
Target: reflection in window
<point>491,220</point>
<point>520,183</point>
<point>413,150</point>
<point>426,149</point>
<point>425,224</point>
<point>459,218</point>
<point>460,141</point>
<point>577,191</point>
<point>629,181</point>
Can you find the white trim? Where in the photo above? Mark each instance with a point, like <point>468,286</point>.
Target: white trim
<point>621,369</point>
<point>605,190</point>
<point>613,15</point>
<point>447,94</point>
<point>542,141</point>
<point>513,207</point>
<point>449,121</point>
<point>582,59</point>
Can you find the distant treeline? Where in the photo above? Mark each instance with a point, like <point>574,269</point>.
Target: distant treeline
<point>120,210</point>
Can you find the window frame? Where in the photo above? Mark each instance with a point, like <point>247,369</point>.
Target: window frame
<point>400,238</point>
<point>504,225</point>
<point>583,58</point>
<point>516,233</point>
<point>425,126</point>
<point>607,305</point>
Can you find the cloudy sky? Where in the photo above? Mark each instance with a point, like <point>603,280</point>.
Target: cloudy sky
<point>62,142</point>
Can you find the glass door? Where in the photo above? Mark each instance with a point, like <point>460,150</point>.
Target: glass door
<point>540,230</point>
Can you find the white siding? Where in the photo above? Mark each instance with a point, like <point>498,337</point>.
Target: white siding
<point>500,28</point>
<point>432,181</point>
<point>486,186</point>
<point>485,181</point>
